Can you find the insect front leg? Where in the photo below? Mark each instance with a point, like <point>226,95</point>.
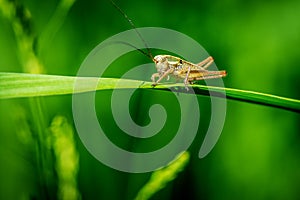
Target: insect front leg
<point>154,76</point>
<point>160,77</point>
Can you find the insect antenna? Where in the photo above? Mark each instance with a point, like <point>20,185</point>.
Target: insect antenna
<point>148,54</point>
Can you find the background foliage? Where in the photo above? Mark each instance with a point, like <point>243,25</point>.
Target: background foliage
<point>257,156</point>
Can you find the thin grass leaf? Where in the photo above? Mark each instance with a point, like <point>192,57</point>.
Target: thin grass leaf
<point>16,85</point>
<point>161,177</point>
<point>251,97</point>
<point>67,157</point>
<point>55,23</point>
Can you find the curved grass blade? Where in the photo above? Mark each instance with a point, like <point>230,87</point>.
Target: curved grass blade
<point>161,177</point>
<point>17,85</point>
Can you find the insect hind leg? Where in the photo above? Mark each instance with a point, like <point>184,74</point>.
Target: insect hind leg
<point>186,80</point>
<point>205,63</point>
<point>213,75</point>
<point>187,76</point>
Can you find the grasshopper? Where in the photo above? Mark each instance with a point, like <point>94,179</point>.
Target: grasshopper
<point>167,65</point>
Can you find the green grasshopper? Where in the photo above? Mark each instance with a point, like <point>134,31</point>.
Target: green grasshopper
<point>167,65</point>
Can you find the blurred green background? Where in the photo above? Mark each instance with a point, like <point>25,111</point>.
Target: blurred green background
<point>257,155</point>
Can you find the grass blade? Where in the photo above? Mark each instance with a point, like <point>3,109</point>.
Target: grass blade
<point>161,177</point>
<point>16,85</point>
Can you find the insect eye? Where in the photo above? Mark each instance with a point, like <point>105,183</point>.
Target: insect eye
<point>158,59</point>
<point>180,61</point>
